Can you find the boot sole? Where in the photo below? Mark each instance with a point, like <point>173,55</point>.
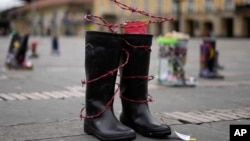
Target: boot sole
<point>154,134</point>
<point>90,131</point>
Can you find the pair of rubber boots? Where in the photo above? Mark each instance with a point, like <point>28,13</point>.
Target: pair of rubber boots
<point>16,57</point>
<point>209,60</point>
<point>104,52</point>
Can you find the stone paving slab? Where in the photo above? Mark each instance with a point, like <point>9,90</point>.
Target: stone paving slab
<point>7,97</point>
<point>72,131</point>
<point>18,96</point>
<point>27,119</point>
<point>70,93</point>
<point>197,117</point>
<point>78,91</point>
<point>41,131</point>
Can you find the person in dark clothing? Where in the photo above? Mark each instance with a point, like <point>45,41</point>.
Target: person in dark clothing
<point>55,45</point>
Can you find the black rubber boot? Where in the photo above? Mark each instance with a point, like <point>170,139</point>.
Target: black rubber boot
<point>21,52</point>
<point>103,52</point>
<point>134,88</point>
<point>14,44</point>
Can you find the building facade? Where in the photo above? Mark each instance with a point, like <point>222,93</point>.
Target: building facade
<point>225,18</point>
<point>47,17</point>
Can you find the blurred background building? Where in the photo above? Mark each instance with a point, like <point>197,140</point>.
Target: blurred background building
<point>225,18</point>
<point>48,17</point>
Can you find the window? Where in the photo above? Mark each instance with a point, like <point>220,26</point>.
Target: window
<point>190,5</point>
<point>229,4</point>
<point>41,20</point>
<point>111,7</point>
<point>159,7</point>
<point>146,5</point>
<point>53,18</point>
<point>208,5</point>
<point>174,6</point>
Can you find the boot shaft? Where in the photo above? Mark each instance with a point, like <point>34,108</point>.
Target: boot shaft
<point>138,47</point>
<point>102,55</point>
<point>134,88</point>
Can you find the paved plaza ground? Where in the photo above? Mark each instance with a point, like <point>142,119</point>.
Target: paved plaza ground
<point>44,104</point>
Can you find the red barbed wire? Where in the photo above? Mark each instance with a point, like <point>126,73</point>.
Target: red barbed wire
<point>109,72</point>
<point>134,46</point>
<point>109,103</point>
<point>149,99</point>
<point>136,10</point>
<point>111,27</point>
<point>151,77</point>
